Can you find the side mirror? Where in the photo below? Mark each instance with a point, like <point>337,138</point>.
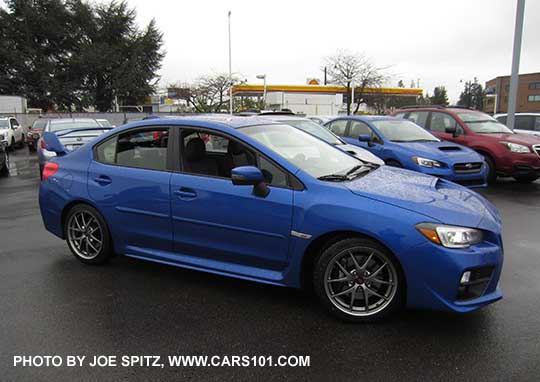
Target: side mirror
<point>450,130</point>
<point>250,176</point>
<point>15,127</point>
<point>52,143</point>
<point>364,138</point>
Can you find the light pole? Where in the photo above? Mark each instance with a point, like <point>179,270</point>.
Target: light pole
<point>512,97</point>
<point>263,77</point>
<point>230,68</point>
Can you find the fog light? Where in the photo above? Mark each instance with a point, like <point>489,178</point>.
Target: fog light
<point>466,277</point>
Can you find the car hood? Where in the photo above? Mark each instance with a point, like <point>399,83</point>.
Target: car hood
<point>441,151</point>
<point>435,198</point>
<point>522,139</point>
<point>4,131</point>
<point>360,153</point>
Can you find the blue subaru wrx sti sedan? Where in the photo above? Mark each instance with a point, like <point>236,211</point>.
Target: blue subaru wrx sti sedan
<point>402,143</point>
<point>257,200</point>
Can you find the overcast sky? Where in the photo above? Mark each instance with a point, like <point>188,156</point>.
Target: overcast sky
<point>439,42</point>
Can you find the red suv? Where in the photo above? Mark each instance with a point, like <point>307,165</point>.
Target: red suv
<point>506,153</point>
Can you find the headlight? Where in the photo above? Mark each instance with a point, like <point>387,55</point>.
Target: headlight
<point>427,162</point>
<point>516,148</point>
<point>450,236</point>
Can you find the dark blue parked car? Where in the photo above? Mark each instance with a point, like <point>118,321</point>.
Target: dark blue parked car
<point>257,200</point>
<point>402,143</point>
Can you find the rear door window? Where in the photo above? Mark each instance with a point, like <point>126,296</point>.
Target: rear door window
<point>338,127</point>
<point>145,149</point>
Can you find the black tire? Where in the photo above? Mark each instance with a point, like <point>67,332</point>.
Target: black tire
<point>393,163</point>
<point>12,145</point>
<point>492,172</point>
<point>41,172</point>
<point>21,144</point>
<point>526,178</point>
<point>105,250</point>
<point>4,171</point>
<point>326,263</point>
<point>32,147</point>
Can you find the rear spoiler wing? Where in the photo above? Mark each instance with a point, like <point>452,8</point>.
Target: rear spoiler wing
<point>61,133</point>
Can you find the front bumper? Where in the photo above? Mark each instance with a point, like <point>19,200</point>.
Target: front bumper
<point>515,164</point>
<point>437,283</point>
<point>471,180</point>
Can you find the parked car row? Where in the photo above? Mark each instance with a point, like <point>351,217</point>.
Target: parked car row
<point>505,152</point>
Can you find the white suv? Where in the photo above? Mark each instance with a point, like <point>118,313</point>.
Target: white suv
<point>525,123</point>
<point>11,132</point>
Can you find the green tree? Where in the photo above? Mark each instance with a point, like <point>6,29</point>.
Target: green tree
<point>74,54</point>
<point>472,95</point>
<point>440,96</point>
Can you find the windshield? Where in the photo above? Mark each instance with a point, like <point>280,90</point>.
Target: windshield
<point>4,123</point>
<point>483,124</point>
<point>315,129</point>
<point>104,123</point>
<point>403,131</point>
<point>306,152</point>
<point>67,125</point>
<point>39,124</point>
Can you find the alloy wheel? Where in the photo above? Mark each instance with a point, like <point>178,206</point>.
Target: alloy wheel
<point>360,281</point>
<point>85,234</point>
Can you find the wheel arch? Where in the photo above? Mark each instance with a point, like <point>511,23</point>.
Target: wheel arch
<point>320,243</point>
<point>74,203</point>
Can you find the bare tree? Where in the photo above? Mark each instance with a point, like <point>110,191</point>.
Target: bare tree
<point>209,93</point>
<point>346,69</point>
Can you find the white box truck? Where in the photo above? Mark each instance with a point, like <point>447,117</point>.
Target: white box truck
<point>10,104</point>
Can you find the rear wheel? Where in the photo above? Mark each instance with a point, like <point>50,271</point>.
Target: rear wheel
<point>87,235</point>
<point>12,144</point>
<point>21,143</point>
<point>526,178</point>
<point>358,280</point>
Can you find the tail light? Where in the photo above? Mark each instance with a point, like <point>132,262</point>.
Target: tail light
<point>42,144</point>
<point>49,169</point>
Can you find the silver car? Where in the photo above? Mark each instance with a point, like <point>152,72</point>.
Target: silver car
<point>71,132</point>
<point>525,123</point>
<point>326,135</point>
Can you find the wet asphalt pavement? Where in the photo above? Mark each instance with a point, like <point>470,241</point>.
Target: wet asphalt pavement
<point>52,304</point>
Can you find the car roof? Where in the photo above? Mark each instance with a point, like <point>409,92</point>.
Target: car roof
<point>282,117</point>
<point>63,120</point>
<point>368,118</point>
<point>232,121</point>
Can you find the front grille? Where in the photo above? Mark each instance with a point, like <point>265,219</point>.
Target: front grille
<point>470,182</point>
<point>477,284</point>
<point>468,168</point>
<point>536,149</point>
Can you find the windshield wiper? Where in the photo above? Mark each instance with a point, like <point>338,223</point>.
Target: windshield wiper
<point>334,178</point>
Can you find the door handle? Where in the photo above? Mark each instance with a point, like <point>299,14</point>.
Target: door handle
<point>185,193</point>
<point>103,180</point>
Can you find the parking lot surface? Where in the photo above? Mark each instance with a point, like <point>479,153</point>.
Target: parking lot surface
<point>53,304</point>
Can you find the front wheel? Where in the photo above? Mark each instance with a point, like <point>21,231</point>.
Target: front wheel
<point>358,280</point>
<point>394,163</point>
<point>87,235</point>
<point>491,171</point>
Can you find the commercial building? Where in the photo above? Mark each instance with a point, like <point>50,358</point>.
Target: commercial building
<point>528,99</point>
<point>318,99</point>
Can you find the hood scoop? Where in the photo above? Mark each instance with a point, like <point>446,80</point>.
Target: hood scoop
<point>450,148</point>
